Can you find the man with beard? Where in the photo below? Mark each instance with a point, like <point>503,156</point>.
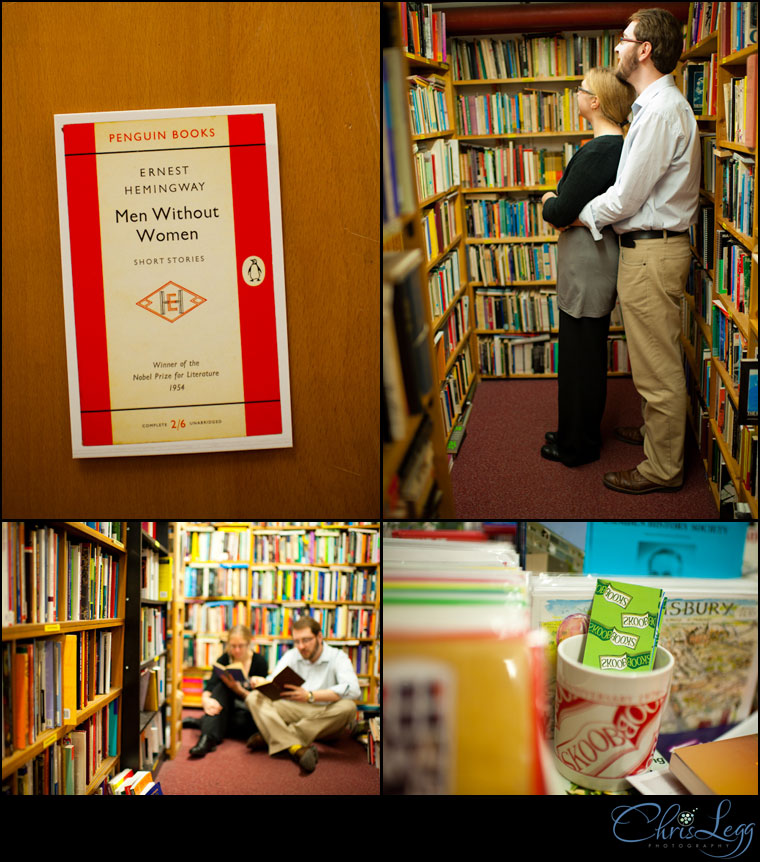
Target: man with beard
<point>653,202</point>
<point>320,708</point>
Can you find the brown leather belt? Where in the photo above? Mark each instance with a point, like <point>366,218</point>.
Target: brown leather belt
<point>628,239</point>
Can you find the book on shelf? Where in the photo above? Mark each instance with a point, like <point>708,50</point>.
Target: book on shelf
<point>50,679</point>
<point>398,181</point>
<point>340,622</point>
<point>423,32</point>
<point>153,632</point>
<point>562,55</point>
<point>513,165</point>
<point>50,576</point>
<point>407,371</point>
<point>153,686</point>
<point>427,103</point>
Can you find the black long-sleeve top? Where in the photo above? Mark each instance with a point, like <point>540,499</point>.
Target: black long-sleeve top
<point>258,667</point>
<point>591,171</point>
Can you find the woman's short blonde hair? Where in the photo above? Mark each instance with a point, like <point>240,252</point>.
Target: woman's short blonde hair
<point>615,96</point>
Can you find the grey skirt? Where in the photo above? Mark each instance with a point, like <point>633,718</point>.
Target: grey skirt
<point>587,272</point>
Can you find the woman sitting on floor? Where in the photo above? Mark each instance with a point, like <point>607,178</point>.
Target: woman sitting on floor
<point>225,711</point>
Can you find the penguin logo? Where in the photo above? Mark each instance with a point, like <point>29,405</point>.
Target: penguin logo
<point>253,271</point>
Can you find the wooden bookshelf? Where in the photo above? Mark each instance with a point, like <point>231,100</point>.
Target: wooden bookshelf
<point>273,645</point>
<point>463,341</point>
<point>176,627</point>
<point>712,377</point>
<point>533,298</point>
<point>51,572</point>
<point>138,722</point>
<point>403,232</point>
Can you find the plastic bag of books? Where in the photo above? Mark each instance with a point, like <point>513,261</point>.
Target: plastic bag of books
<point>462,680</point>
<point>709,625</point>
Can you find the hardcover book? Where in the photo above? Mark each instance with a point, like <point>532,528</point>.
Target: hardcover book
<point>624,626</point>
<point>234,669</point>
<point>274,689</point>
<point>173,280</point>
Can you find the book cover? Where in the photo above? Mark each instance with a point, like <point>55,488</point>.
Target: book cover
<point>624,626</point>
<point>173,280</point>
<point>726,767</point>
<point>273,690</point>
<point>234,669</point>
<point>695,549</point>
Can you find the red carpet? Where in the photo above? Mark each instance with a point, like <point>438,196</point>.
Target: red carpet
<point>499,472</point>
<point>232,770</point>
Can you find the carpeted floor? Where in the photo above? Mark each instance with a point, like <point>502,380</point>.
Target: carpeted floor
<point>232,770</point>
<point>499,472</point>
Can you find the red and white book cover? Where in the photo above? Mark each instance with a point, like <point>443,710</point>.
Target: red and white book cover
<point>173,279</point>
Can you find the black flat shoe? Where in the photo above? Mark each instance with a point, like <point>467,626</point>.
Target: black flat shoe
<point>192,723</point>
<point>205,744</point>
<point>550,451</point>
<point>551,437</point>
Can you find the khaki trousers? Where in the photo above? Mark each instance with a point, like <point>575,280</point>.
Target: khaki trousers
<point>283,723</point>
<point>651,278</point>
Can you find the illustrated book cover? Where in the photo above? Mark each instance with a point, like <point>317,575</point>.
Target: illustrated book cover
<point>173,280</point>
<point>624,626</point>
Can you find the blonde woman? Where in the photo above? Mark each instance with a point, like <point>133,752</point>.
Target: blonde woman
<point>587,271</point>
<point>224,699</point>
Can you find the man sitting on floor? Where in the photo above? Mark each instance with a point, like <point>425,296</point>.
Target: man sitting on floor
<point>320,708</point>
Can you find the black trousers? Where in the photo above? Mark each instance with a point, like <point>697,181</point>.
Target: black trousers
<point>234,720</point>
<point>582,387</point>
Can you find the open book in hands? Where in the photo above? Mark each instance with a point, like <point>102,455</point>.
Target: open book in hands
<point>235,669</point>
<point>274,689</point>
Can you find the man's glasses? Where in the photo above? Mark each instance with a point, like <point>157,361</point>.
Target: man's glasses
<point>304,641</point>
<point>624,38</point>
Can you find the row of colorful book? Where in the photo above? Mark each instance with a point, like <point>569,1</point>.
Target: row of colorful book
<point>49,578</point>
<point>342,622</point>
<point>47,682</point>
<point>315,585</point>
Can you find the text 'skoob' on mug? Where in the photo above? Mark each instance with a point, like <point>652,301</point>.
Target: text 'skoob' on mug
<point>606,722</point>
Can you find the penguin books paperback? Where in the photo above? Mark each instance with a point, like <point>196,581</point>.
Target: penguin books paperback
<point>173,280</point>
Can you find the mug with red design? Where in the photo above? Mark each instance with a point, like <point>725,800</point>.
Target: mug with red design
<point>606,722</point>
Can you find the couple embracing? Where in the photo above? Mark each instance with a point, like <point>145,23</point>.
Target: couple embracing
<point>624,206</point>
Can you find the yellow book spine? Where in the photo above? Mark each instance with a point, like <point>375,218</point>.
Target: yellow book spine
<point>165,578</point>
<point>69,679</point>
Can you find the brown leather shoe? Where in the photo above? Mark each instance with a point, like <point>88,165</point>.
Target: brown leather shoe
<point>306,757</point>
<point>632,482</point>
<point>630,435</point>
<point>256,742</point>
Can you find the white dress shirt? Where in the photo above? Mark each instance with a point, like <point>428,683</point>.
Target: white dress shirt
<point>657,184</point>
<point>333,670</point>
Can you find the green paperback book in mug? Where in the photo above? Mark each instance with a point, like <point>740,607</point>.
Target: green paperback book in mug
<point>624,626</point>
